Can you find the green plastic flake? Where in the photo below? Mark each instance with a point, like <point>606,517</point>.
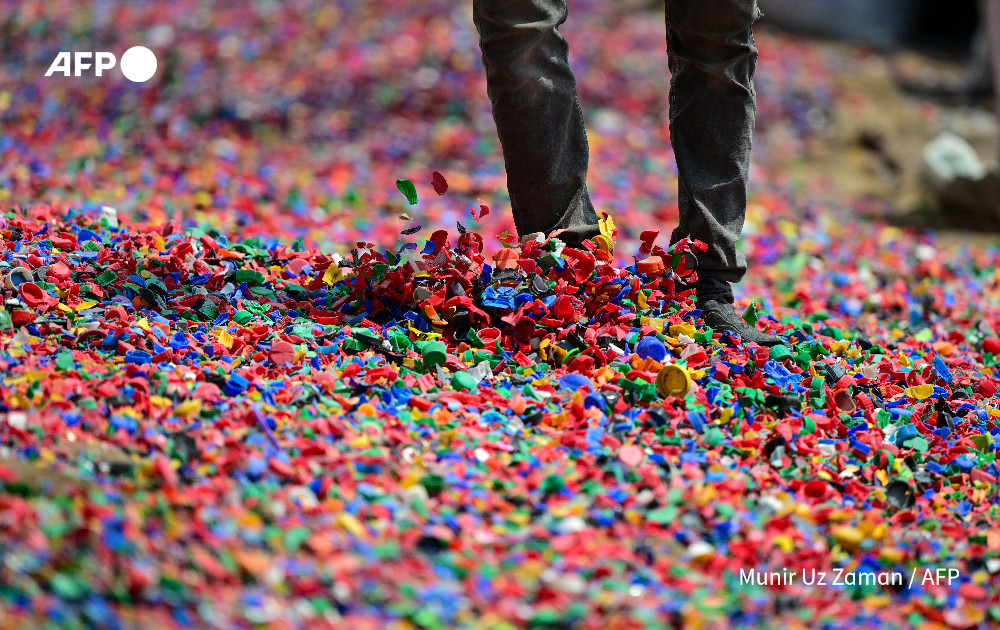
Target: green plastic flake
<point>64,360</point>
<point>106,277</point>
<point>663,515</point>
<point>406,187</point>
<point>250,276</point>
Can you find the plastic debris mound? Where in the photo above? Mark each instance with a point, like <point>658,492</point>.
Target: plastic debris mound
<point>197,428</point>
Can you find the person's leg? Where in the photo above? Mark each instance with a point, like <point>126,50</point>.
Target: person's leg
<point>992,17</point>
<point>712,107</point>
<point>712,59</point>
<point>538,115</point>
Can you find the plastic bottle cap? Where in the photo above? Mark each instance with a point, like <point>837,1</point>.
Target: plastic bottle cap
<point>604,243</point>
<point>18,276</point>
<point>434,353</point>
<point>524,329</point>
<point>138,357</point>
<point>573,382</point>
<point>400,342</point>
<point>780,352</point>
<point>991,345</point>
<point>562,308</point>
<point>595,399</point>
<point>464,380</point>
<point>282,352</point>
<point>650,266</point>
<point>649,347</point>
<point>673,380</point>
<point>32,294</point>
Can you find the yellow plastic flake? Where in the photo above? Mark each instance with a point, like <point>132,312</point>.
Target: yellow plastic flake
<point>188,408</point>
<point>333,275</point>
<point>560,353</point>
<point>519,518</point>
<point>159,401</point>
<point>920,392</point>
<point>891,555</point>
<point>34,376</point>
<point>879,531</point>
<point>131,413</point>
<point>543,348</point>
<point>848,537</point>
<point>351,524</point>
<point>683,329</point>
<point>360,442</point>
<point>656,322</point>
<point>607,226</point>
<point>250,521</point>
<point>226,339</point>
<point>641,299</point>
<point>503,240</point>
<point>411,479</point>
<point>788,229</point>
<point>170,524</point>
<point>62,307</point>
<point>82,306</point>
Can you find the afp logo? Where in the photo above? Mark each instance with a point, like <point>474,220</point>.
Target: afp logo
<point>138,64</point>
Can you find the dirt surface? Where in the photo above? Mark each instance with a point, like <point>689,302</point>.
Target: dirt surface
<point>875,136</point>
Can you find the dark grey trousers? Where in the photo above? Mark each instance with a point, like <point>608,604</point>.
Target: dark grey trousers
<point>712,58</point>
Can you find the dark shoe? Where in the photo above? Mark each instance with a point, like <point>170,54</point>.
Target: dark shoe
<point>722,317</point>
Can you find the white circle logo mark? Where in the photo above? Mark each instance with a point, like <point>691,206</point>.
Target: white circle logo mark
<point>138,64</point>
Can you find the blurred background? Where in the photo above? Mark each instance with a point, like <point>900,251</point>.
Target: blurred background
<point>296,118</point>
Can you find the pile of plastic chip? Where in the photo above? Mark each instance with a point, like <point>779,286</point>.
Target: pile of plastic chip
<point>200,429</point>
<point>253,396</point>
